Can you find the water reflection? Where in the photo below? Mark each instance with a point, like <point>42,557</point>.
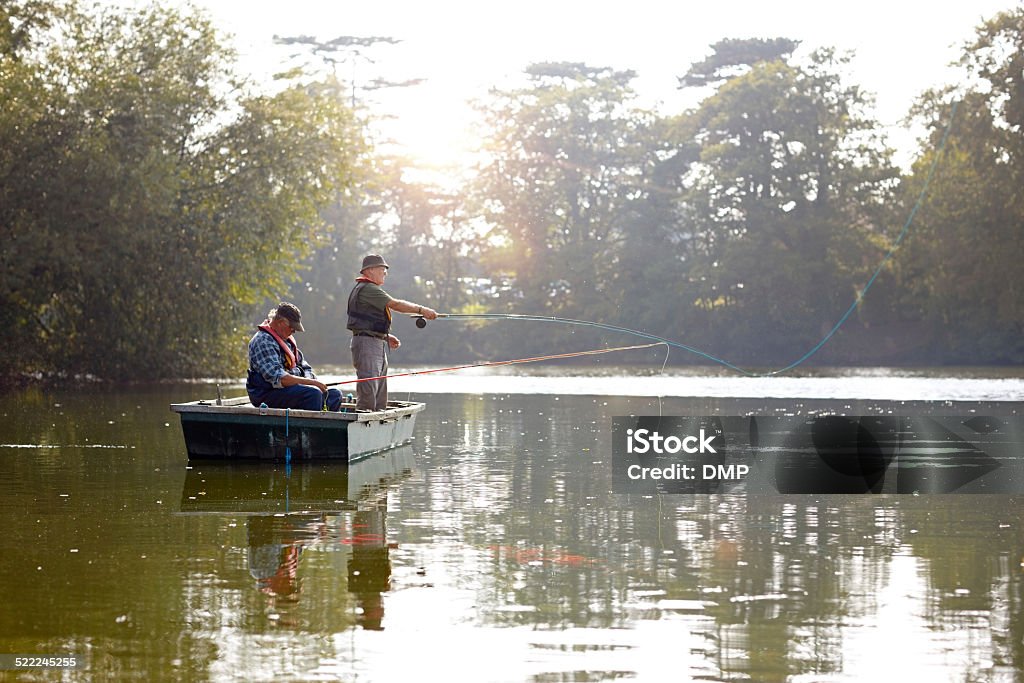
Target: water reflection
<point>275,547</point>
<point>723,587</point>
<point>254,487</point>
<point>828,585</point>
<point>495,534</point>
<point>369,566</point>
<point>340,510</point>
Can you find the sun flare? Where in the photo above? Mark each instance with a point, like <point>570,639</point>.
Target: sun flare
<point>435,132</point>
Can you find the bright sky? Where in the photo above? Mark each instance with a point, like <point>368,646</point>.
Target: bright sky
<point>465,47</point>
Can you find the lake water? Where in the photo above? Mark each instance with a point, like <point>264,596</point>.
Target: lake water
<point>492,548</point>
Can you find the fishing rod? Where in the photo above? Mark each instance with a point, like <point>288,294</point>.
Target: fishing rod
<point>492,363</point>
<point>421,321</point>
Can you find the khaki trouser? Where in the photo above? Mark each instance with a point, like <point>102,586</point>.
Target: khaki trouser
<point>370,359</point>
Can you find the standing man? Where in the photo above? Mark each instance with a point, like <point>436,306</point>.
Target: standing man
<point>278,374</point>
<point>369,318</point>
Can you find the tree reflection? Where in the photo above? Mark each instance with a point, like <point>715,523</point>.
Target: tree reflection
<point>766,587</point>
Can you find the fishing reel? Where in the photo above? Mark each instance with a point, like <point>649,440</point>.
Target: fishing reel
<point>421,322</point>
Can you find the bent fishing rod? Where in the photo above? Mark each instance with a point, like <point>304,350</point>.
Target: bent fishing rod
<point>421,322</point>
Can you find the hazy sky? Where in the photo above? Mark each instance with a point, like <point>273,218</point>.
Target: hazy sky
<point>463,47</point>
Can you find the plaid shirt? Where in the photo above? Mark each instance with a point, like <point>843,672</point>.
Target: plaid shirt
<point>267,358</point>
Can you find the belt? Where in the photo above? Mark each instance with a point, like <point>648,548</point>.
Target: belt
<point>369,334</point>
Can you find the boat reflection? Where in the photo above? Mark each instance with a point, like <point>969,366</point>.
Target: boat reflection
<point>289,510</point>
<point>263,488</point>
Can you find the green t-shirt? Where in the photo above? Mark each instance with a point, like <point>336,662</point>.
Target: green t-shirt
<point>374,295</point>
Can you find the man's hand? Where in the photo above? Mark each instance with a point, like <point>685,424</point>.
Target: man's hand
<point>288,380</point>
<point>428,313</point>
<point>393,341</point>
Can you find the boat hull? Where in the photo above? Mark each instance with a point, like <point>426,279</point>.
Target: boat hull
<point>242,432</point>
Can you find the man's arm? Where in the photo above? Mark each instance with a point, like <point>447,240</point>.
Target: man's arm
<point>403,306</point>
<point>266,360</point>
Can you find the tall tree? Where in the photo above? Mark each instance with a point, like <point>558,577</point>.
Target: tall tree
<point>784,199</point>
<point>567,156</point>
<point>961,272</point>
<point>148,197</point>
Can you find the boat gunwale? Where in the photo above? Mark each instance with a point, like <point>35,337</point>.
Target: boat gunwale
<point>241,406</point>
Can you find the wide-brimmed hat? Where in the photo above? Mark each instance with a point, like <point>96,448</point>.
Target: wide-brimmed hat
<point>373,260</point>
<point>293,315</point>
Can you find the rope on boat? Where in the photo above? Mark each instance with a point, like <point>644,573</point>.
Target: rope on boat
<point>287,445</point>
<point>492,363</point>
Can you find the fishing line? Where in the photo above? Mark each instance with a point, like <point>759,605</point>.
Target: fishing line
<point>940,152</point>
<point>492,363</point>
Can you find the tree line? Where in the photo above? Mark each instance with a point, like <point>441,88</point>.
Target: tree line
<point>153,203</point>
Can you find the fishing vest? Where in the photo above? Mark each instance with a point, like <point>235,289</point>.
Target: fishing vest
<point>363,317</point>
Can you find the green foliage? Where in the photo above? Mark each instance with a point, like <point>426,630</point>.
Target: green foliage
<point>20,23</point>
<point>151,203</point>
<point>787,189</point>
<point>149,200</point>
<point>731,57</point>
<point>961,275</point>
<point>569,155</point>
<point>744,226</point>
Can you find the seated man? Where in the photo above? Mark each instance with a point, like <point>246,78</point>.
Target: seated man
<point>278,374</point>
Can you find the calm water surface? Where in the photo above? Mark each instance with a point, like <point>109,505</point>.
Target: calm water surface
<point>491,549</point>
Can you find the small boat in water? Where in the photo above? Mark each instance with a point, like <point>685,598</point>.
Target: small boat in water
<point>234,429</point>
